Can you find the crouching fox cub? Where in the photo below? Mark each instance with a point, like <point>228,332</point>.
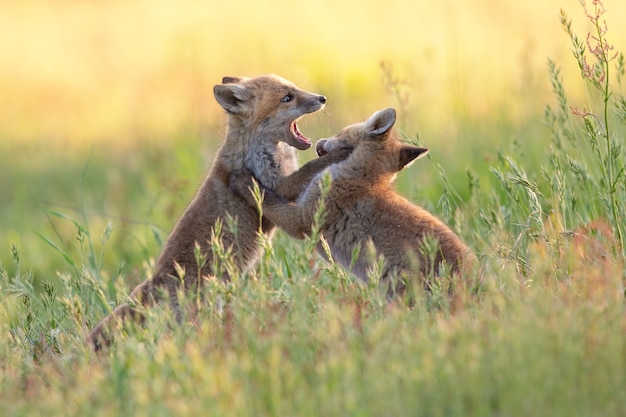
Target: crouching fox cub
<point>362,209</point>
<point>262,134</point>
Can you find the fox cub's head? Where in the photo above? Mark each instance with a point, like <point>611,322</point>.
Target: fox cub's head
<point>268,105</point>
<point>374,143</point>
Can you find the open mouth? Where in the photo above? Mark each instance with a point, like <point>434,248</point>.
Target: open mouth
<point>319,147</point>
<point>301,141</point>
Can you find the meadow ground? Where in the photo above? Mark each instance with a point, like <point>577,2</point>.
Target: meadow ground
<point>112,125</point>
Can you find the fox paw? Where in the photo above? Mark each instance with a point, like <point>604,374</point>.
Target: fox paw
<point>98,339</point>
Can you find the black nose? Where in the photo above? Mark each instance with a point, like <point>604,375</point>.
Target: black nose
<point>322,99</point>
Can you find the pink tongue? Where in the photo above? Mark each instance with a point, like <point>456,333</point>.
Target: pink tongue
<point>299,135</point>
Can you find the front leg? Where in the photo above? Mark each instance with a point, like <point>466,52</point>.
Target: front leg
<point>294,219</point>
<point>293,185</point>
<point>242,182</point>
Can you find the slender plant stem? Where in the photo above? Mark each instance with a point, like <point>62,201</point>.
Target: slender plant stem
<point>609,146</point>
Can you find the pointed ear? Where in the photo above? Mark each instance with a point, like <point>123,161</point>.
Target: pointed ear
<point>408,154</point>
<point>231,80</point>
<point>380,122</point>
<point>232,97</point>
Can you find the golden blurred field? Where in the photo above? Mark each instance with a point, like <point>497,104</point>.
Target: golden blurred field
<point>108,124</point>
<point>74,71</point>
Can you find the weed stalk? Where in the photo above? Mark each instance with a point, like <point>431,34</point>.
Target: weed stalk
<point>598,75</point>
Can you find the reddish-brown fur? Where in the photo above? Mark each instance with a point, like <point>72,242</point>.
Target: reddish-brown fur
<point>363,210</point>
<point>261,137</point>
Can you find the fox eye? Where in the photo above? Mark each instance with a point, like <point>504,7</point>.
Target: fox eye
<point>288,97</point>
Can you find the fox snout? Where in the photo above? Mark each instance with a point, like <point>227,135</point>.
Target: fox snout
<point>320,147</point>
<point>315,99</point>
<point>314,103</point>
<point>324,146</point>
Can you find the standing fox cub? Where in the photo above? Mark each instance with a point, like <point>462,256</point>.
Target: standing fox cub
<point>261,136</point>
<point>362,209</point>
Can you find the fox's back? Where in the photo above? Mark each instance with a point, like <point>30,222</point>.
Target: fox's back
<point>396,228</point>
<point>403,225</point>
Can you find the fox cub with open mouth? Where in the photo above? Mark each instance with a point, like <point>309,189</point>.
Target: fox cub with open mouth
<point>262,136</point>
<point>362,210</point>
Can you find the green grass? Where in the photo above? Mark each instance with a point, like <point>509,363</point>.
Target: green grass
<point>540,332</point>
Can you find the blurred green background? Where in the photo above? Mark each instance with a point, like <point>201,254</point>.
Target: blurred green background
<point>107,113</point>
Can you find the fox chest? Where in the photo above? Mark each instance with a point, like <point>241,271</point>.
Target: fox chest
<point>350,226</point>
<point>270,168</point>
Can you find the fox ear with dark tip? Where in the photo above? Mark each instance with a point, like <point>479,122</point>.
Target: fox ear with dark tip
<point>231,80</point>
<point>380,122</point>
<point>408,154</point>
<point>233,98</point>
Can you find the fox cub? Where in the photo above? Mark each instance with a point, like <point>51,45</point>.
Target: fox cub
<point>363,212</point>
<point>261,136</point>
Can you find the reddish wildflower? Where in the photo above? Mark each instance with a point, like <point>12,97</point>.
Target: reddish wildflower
<point>597,45</point>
